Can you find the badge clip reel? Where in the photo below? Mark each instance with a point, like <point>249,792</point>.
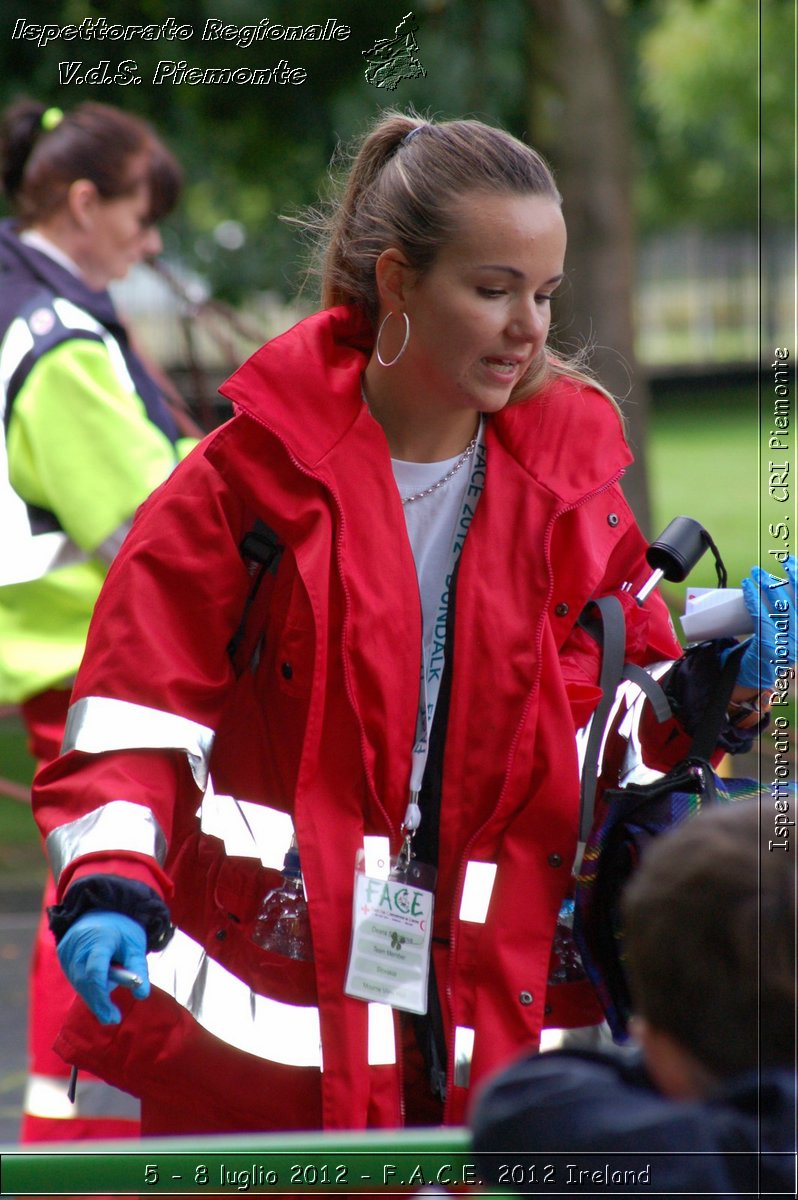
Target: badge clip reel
<point>405,867</point>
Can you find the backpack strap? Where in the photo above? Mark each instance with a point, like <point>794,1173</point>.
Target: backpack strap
<point>610,632</point>
<point>262,551</point>
<point>655,694</point>
<point>705,738</point>
<point>611,635</point>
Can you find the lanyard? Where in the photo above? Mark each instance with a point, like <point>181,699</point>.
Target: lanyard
<point>432,654</point>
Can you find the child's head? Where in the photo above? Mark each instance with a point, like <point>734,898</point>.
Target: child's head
<point>710,938</point>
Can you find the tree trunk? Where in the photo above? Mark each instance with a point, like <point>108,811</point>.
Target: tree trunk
<point>580,118</point>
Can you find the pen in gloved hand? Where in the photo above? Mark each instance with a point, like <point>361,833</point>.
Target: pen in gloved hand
<point>124,977</point>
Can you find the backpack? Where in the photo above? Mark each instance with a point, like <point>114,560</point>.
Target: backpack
<point>628,818</point>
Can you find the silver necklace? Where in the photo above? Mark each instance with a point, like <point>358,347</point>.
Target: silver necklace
<point>464,457</point>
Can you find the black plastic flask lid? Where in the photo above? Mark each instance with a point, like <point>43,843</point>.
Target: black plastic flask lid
<point>678,548</point>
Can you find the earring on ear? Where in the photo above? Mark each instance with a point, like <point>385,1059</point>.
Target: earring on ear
<point>402,348</point>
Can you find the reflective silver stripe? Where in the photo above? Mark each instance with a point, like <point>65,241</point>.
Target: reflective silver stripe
<point>634,769</point>
<point>110,547</point>
<point>579,1037</point>
<point>16,344</point>
<point>627,693</point>
<point>118,825</point>
<point>36,554</point>
<point>582,736</point>
<point>551,1039</point>
<point>47,1096</point>
<point>382,1040</point>
<point>248,830</point>
<point>97,724</point>
<point>477,890</point>
<point>463,1054</point>
<point>231,1011</point>
<point>623,694</point>
<point>19,341</point>
<point>25,555</point>
<point>225,1006</point>
<point>73,317</point>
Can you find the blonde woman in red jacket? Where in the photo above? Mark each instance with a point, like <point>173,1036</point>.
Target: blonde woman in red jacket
<point>439,499</point>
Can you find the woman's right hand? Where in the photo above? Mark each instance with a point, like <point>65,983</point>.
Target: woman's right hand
<point>91,947</point>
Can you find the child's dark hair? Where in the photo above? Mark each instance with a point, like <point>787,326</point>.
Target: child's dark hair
<point>710,938</point>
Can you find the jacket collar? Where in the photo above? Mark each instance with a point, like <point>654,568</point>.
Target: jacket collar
<point>568,437</point>
<point>305,386</point>
<point>17,258</point>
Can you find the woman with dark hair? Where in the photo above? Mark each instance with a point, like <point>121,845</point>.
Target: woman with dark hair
<point>356,611</point>
<point>86,437</point>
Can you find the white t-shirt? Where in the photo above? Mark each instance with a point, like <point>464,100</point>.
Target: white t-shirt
<point>430,527</point>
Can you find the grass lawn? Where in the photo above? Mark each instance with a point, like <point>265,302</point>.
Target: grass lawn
<point>703,456</point>
<point>703,460</point>
<point>19,838</point>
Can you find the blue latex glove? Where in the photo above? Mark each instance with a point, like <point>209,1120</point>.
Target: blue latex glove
<point>771,602</point>
<point>90,946</point>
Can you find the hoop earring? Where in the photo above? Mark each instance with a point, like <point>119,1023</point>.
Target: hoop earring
<point>402,348</point>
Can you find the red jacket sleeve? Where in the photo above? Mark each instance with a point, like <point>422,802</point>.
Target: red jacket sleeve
<point>650,636</point>
<point>158,643</point>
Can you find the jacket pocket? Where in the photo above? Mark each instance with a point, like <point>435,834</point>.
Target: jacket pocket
<point>217,899</point>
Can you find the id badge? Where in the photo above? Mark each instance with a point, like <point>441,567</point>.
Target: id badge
<point>392,912</point>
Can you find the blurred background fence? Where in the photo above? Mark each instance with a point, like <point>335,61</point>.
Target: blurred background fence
<point>713,300</point>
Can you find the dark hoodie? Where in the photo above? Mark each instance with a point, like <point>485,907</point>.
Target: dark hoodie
<point>593,1123</point>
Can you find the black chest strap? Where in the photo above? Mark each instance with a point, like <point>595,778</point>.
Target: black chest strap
<point>261,550</point>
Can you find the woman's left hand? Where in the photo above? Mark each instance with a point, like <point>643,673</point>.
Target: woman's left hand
<point>771,602</point>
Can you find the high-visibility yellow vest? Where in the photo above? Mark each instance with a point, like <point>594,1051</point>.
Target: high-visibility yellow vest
<point>80,453</point>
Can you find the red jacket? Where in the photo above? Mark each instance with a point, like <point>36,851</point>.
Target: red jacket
<point>323,729</point>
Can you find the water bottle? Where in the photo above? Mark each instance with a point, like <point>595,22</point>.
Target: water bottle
<point>283,925</point>
<point>566,964</point>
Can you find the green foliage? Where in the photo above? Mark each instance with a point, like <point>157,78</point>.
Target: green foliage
<point>253,152</point>
<point>716,96</point>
